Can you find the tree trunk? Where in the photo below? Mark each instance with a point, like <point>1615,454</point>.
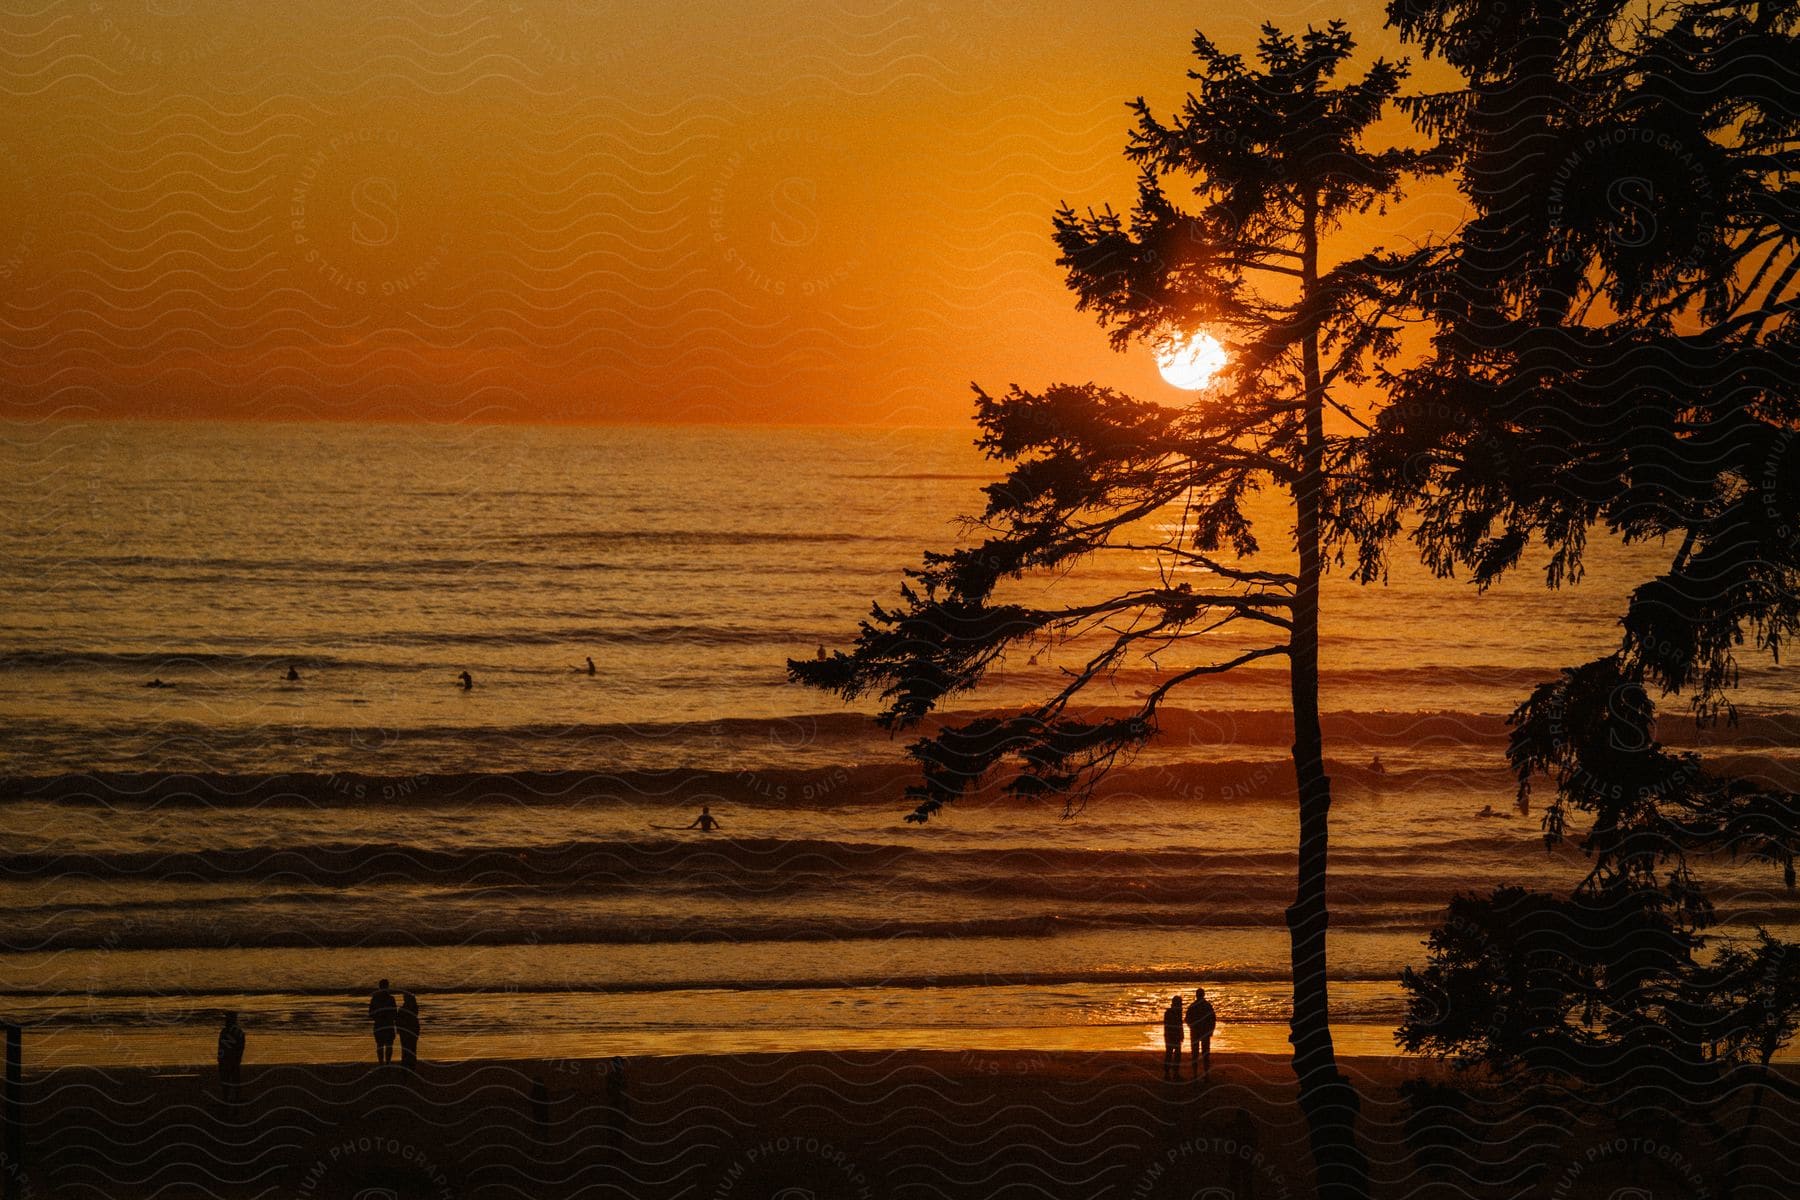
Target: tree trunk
<point>1734,1162</point>
<point>1327,1099</point>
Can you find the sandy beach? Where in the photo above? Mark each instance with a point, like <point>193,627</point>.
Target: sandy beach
<point>975,1124</point>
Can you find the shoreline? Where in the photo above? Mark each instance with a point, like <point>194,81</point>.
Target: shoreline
<point>191,1046</point>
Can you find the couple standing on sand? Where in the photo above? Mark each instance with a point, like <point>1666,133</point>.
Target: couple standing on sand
<point>395,1019</point>
<point>1200,1020</point>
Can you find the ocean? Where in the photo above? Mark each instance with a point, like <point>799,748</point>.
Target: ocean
<point>514,852</point>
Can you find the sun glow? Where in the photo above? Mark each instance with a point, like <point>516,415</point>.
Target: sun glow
<point>1190,360</point>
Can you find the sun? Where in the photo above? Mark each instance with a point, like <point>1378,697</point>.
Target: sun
<point>1190,360</point>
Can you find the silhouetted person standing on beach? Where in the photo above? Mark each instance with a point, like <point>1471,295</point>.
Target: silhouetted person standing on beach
<point>406,1021</point>
<point>1172,1039</point>
<point>1201,1021</point>
<point>231,1058</point>
<point>468,681</point>
<point>705,822</point>
<point>383,1012</point>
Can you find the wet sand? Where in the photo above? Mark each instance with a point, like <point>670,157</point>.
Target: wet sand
<point>759,1127</point>
<point>684,1023</point>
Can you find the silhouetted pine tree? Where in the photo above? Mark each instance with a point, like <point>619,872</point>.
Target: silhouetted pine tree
<point>1272,152</point>
<point>1615,347</point>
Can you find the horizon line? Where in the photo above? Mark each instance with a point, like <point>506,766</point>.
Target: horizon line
<point>469,423</point>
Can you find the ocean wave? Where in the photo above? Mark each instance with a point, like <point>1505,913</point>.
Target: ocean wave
<point>1179,730</point>
<point>228,568</point>
<point>681,864</point>
<point>1222,783</point>
<point>1406,909</point>
<point>450,926</point>
<point>170,660</point>
<point>461,926</point>
<point>142,1007</point>
<point>676,538</point>
<point>448,929</point>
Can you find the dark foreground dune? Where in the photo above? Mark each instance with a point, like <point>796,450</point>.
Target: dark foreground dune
<point>819,1126</point>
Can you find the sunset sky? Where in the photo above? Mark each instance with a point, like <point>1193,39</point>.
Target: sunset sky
<point>489,210</point>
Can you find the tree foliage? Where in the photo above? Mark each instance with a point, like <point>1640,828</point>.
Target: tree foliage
<point>1613,349</point>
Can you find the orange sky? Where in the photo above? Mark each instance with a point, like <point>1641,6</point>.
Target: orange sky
<point>579,211</point>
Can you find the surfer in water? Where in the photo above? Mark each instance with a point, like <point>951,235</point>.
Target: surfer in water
<point>293,675</point>
<point>705,822</point>
<point>590,669</point>
<point>468,681</point>
<point>157,683</point>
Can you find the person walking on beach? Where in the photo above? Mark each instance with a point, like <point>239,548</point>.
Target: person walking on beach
<point>1172,1039</point>
<point>406,1021</point>
<point>705,822</point>
<point>382,1011</point>
<point>1201,1021</point>
<point>231,1058</point>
